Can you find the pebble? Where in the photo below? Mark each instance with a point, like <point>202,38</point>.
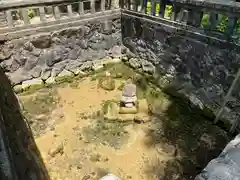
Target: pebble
<point>57,150</point>
<point>86,177</point>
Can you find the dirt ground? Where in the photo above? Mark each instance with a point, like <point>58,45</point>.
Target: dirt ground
<point>77,143</point>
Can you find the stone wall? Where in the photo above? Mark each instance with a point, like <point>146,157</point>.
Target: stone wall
<point>44,57</point>
<point>201,71</point>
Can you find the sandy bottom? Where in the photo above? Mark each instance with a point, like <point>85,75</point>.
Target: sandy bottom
<point>69,156</point>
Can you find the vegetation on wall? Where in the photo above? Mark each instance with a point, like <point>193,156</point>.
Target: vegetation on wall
<point>221,24</point>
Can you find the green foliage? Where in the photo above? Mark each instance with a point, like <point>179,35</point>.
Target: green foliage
<point>31,13</point>
<point>222,24</point>
<point>205,23</point>
<point>168,10</point>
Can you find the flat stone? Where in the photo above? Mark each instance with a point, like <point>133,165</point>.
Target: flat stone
<point>46,74</point>
<point>31,82</point>
<point>50,80</point>
<point>86,66</point>
<point>77,71</point>
<point>97,65</point>
<point>65,73</point>
<point>129,111</point>
<point>19,76</point>
<point>109,60</point>
<point>36,72</point>
<point>116,51</point>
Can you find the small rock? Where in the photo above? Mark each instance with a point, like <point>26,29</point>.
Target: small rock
<point>110,177</point>
<point>57,150</point>
<point>28,46</point>
<point>52,128</point>
<point>56,40</point>
<point>79,166</point>
<point>116,60</point>
<point>134,63</point>
<point>142,118</point>
<point>51,80</point>
<point>36,52</point>
<point>65,73</point>
<point>171,70</point>
<point>31,82</point>
<point>18,88</point>
<point>36,72</point>
<point>148,67</point>
<point>106,159</point>
<point>46,74</point>
<point>40,117</point>
<point>86,177</point>
<point>124,58</point>
<point>116,51</point>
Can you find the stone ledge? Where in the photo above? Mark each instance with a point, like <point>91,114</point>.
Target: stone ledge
<point>65,75</point>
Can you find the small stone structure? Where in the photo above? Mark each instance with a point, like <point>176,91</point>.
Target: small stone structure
<point>129,95</point>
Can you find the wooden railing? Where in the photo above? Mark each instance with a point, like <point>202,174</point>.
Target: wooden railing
<point>215,18</point>
<point>23,16</point>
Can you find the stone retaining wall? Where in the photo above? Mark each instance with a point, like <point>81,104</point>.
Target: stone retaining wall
<point>42,58</point>
<point>199,71</point>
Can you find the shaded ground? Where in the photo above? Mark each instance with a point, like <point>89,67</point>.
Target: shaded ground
<point>19,145</point>
<point>77,143</point>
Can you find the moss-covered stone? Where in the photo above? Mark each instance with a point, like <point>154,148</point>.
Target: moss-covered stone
<point>107,83</point>
<point>18,88</point>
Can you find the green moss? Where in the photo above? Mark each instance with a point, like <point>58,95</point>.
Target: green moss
<point>121,86</point>
<point>106,104</point>
<point>109,133</point>
<point>121,70</point>
<point>42,103</point>
<point>64,79</point>
<point>32,89</point>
